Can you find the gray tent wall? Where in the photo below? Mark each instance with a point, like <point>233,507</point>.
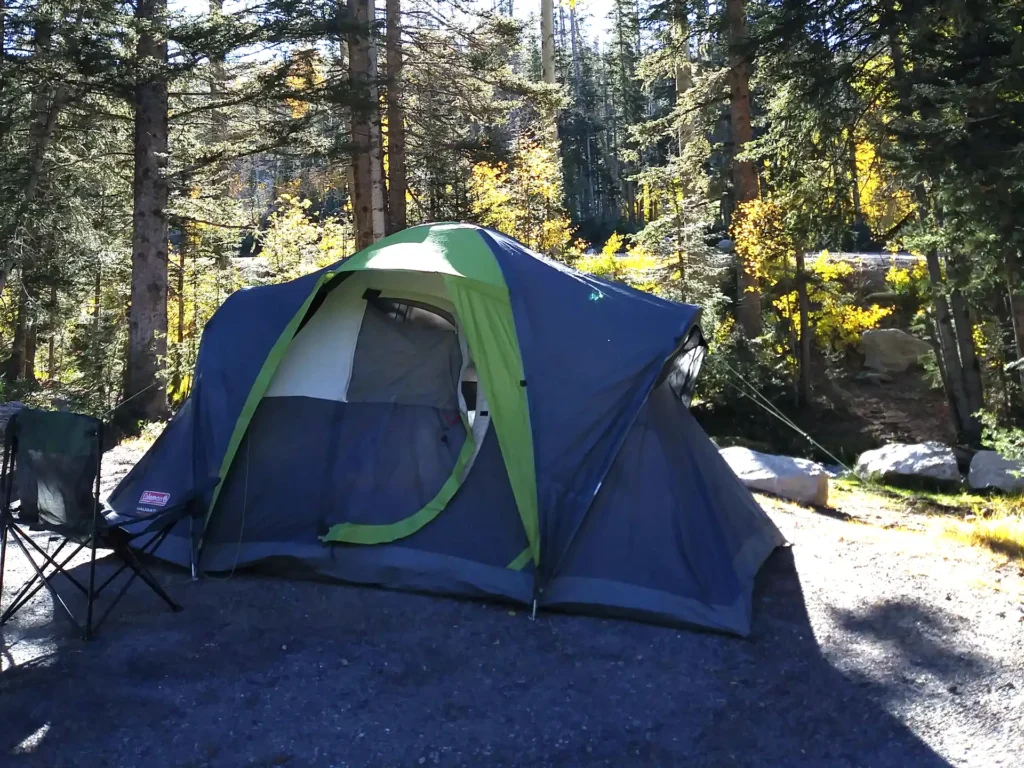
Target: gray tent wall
<point>672,535</point>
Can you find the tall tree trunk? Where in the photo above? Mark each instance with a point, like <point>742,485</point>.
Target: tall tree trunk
<point>1015,295</point>
<point>96,343</point>
<point>748,305</point>
<point>378,190</point>
<point>577,79</point>
<point>967,427</point>
<point>179,291</point>
<point>218,118</point>
<point>963,387</point>
<point>970,369</point>
<point>398,183</point>
<point>51,351</point>
<point>31,347</point>
<point>684,75</point>
<point>361,189</point>
<point>15,367</point>
<point>547,41</point>
<point>804,382</point>
<point>144,389</point>
<point>47,104</point>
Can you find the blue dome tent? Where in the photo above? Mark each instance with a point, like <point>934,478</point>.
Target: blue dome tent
<point>447,411</point>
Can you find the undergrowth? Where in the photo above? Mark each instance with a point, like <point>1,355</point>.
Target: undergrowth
<point>994,522</point>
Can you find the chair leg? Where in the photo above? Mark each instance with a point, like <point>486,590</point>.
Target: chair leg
<point>48,559</point>
<point>57,599</point>
<point>91,597</point>
<point>3,555</point>
<point>28,592</point>
<point>191,547</point>
<point>125,552</point>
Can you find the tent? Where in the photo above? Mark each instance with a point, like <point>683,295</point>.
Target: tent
<point>449,412</point>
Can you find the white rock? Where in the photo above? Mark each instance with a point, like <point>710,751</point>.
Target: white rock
<point>801,480</point>
<point>933,461</point>
<point>891,350</point>
<point>990,470</point>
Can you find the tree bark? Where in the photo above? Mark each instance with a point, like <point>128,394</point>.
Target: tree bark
<point>51,356</point>
<point>31,347</point>
<point>15,367</point>
<point>218,120</point>
<point>179,356</point>
<point>970,369</point>
<point>361,189</point>
<point>804,381</point>
<point>145,396</point>
<point>962,387</point>
<point>684,73</point>
<point>547,41</point>
<point>46,109</point>
<point>378,192</point>
<point>1015,294</point>
<point>967,427</point>
<point>748,299</point>
<point>398,183</point>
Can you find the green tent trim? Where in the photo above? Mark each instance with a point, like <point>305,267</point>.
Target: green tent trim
<point>357,533</point>
<point>259,388</point>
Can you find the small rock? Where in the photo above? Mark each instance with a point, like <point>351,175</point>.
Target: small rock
<point>990,470</point>
<point>954,689</point>
<point>933,462</point>
<point>890,350</point>
<point>801,480</point>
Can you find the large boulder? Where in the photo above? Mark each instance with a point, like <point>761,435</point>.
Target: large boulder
<point>990,470</point>
<point>918,463</point>
<point>801,480</point>
<point>890,350</point>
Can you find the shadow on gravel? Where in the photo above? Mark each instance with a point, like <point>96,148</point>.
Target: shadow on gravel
<point>269,672</point>
<point>919,645</point>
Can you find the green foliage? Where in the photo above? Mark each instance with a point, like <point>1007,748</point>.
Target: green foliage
<point>1008,441</point>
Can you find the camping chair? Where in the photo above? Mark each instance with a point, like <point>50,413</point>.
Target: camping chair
<point>54,459</point>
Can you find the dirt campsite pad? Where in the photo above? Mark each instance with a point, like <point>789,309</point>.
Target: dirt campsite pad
<point>871,646</point>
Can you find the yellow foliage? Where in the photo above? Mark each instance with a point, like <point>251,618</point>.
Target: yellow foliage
<point>769,251</point>
<point>882,201</point>
<point>903,280</point>
<point>303,75</point>
<point>616,244</point>
<point>523,199</point>
<point>837,321</point>
<point>762,242</point>
<point>295,245</point>
<point>635,268</point>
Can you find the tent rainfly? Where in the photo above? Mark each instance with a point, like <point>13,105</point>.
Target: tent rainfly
<point>449,412</point>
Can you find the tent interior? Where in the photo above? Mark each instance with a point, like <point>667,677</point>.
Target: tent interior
<point>373,420</point>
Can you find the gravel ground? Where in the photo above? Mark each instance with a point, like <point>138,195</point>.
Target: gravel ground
<point>871,647</point>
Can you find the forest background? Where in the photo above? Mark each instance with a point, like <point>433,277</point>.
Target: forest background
<point>155,158</point>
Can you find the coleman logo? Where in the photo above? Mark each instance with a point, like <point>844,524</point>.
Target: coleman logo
<point>154,498</point>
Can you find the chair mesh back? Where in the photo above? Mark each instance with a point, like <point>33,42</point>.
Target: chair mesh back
<point>58,459</point>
